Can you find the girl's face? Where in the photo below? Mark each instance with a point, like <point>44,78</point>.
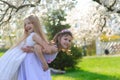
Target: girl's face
<point>65,41</point>
<point>28,26</point>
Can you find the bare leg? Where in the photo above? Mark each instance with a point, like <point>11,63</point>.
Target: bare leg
<point>38,51</point>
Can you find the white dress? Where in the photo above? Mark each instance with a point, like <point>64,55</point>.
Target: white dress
<point>31,68</point>
<point>11,60</point>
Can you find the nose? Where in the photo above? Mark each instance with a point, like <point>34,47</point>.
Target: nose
<point>26,26</point>
<point>68,42</point>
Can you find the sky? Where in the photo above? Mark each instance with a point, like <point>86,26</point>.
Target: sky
<point>81,9</point>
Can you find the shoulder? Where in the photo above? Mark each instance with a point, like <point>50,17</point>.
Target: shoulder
<point>33,34</point>
<point>54,49</point>
<point>36,36</point>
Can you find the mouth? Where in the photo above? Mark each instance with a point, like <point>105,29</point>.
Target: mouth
<point>29,28</point>
<point>65,45</point>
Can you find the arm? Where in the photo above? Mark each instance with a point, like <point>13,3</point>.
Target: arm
<point>39,53</point>
<point>39,47</point>
<point>54,49</point>
<point>28,49</point>
<point>42,43</point>
<point>48,49</point>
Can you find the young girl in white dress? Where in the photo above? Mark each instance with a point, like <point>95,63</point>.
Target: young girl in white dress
<point>32,66</point>
<point>12,59</point>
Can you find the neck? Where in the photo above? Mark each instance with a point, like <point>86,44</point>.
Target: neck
<point>29,32</point>
<point>59,48</point>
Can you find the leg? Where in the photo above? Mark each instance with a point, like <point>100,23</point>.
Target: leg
<point>38,52</point>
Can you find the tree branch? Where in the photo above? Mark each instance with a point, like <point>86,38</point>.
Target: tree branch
<point>4,14</point>
<point>11,6</point>
<point>108,7</point>
<point>26,5</point>
<point>98,1</point>
<point>103,24</point>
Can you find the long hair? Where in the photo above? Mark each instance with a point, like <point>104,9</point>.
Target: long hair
<point>37,29</point>
<point>59,35</point>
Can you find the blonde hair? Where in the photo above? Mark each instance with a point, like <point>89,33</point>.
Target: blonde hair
<point>37,29</point>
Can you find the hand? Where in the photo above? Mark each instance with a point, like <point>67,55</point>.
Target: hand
<point>54,49</point>
<point>45,67</point>
<point>50,50</point>
<point>47,49</point>
<point>28,49</point>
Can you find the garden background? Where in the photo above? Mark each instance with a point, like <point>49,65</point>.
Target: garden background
<point>95,25</point>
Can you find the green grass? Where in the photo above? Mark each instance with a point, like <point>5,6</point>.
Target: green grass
<point>2,50</point>
<point>95,68</point>
<point>1,53</point>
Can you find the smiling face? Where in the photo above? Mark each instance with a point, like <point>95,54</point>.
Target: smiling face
<point>65,41</point>
<point>28,26</point>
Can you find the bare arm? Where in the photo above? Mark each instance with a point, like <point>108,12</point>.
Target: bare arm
<point>39,53</point>
<point>42,43</point>
<point>28,49</point>
<point>47,49</point>
<point>31,49</point>
<point>54,49</point>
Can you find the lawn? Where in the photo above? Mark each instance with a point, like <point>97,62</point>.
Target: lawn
<point>1,53</point>
<point>93,68</point>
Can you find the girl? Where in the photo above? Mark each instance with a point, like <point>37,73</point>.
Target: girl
<point>11,60</point>
<point>31,68</point>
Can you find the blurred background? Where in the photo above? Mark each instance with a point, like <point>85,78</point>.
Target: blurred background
<point>95,25</point>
